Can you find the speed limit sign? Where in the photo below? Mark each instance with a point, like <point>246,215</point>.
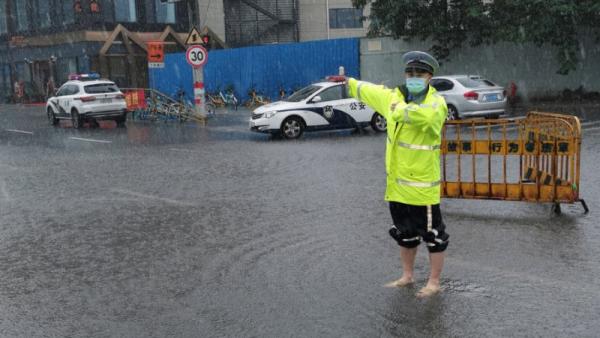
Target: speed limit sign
<point>196,56</point>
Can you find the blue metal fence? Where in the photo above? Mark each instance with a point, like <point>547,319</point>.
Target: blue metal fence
<point>267,69</point>
<point>176,76</point>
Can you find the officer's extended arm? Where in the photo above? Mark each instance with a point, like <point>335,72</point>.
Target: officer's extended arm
<point>427,118</point>
<point>376,97</point>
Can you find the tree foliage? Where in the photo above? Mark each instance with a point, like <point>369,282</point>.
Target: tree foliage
<point>451,24</point>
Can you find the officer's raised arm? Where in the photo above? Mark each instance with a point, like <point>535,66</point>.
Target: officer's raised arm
<point>375,96</point>
<point>428,117</point>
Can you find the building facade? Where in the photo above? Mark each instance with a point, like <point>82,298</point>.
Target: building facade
<point>49,39</point>
<point>250,22</point>
<point>331,19</point>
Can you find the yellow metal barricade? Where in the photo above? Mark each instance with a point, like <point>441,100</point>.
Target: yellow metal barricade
<point>535,159</point>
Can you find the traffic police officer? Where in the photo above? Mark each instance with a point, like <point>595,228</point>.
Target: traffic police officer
<point>415,114</point>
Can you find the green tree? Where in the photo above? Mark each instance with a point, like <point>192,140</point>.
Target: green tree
<point>451,24</point>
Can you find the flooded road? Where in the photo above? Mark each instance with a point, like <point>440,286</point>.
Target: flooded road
<point>177,230</point>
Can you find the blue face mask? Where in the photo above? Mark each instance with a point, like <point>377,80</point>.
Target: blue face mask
<point>415,85</point>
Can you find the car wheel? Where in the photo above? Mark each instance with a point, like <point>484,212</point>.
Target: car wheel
<point>121,120</point>
<point>452,113</point>
<point>378,123</point>
<point>76,119</point>
<point>292,127</point>
<point>52,117</point>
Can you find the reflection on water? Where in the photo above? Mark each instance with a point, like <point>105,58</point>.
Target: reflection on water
<point>182,230</point>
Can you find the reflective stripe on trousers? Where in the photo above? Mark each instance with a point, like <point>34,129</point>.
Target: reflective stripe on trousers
<point>417,238</point>
<point>429,219</point>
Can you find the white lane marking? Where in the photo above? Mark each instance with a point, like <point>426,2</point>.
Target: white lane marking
<point>185,150</point>
<point>589,123</point>
<point>4,190</point>
<point>8,166</point>
<point>89,140</point>
<point>20,131</point>
<point>152,197</point>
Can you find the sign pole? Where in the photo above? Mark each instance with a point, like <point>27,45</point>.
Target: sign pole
<point>199,91</point>
<point>197,57</point>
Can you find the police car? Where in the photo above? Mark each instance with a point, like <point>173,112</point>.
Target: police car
<point>85,97</point>
<point>319,106</point>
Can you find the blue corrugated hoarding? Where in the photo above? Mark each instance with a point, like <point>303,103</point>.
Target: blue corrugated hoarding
<point>265,68</point>
<point>177,75</point>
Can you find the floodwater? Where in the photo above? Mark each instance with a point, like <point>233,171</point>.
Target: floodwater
<point>177,230</point>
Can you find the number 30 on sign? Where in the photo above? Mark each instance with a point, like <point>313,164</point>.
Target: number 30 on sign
<point>196,56</point>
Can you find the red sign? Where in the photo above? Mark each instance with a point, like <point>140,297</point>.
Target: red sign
<point>135,99</point>
<point>17,40</point>
<point>156,51</point>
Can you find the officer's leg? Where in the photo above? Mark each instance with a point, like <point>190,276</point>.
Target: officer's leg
<point>407,256</point>
<point>408,253</point>
<point>437,241</point>
<point>436,261</point>
<point>408,240</point>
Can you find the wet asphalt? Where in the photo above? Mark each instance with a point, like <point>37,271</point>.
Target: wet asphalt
<point>163,229</point>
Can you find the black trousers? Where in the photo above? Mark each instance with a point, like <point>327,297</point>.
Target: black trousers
<point>415,223</point>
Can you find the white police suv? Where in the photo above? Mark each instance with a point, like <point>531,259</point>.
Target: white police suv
<point>85,97</point>
<point>319,106</point>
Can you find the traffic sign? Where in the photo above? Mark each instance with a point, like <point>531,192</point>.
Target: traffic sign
<point>196,56</point>
<point>194,37</point>
<point>156,52</point>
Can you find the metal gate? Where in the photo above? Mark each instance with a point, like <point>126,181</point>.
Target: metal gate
<point>150,104</point>
<point>535,159</point>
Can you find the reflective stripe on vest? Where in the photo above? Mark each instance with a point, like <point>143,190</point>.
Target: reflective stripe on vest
<point>418,146</point>
<point>425,105</point>
<point>406,119</point>
<point>418,184</point>
<point>360,83</point>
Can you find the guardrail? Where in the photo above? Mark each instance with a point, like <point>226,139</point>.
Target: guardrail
<point>535,159</point>
<point>150,104</point>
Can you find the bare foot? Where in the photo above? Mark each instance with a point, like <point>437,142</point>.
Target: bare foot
<point>400,283</point>
<point>428,291</point>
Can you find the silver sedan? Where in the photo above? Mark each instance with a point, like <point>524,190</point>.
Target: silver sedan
<point>470,96</point>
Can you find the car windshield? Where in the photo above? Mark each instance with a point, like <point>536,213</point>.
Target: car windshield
<point>303,93</point>
<point>101,88</point>
<point>470,82</point>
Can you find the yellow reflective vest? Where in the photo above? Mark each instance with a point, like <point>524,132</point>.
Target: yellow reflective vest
<point>412,157</point>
